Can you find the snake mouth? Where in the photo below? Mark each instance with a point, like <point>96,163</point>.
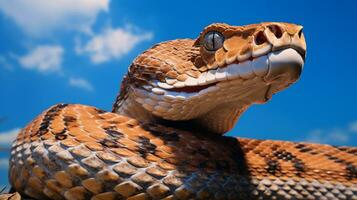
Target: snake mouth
<point>281,67</point>
<point>193,89</point>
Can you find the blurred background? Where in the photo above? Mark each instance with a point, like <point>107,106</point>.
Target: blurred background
<point>78,51</point>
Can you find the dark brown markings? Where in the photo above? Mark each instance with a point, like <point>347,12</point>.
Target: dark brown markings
<point>304,148</point>
<point>110,143</point>
<point>299,166</point>
<point>100,111</point>
<point>350,168</point>
<point>145,146</point>
<point>48,117</point>
<point>113,122</point>
<point>334,158</point>
<point>273,166</point>
<point>272,159</point>
<point>351,171</point>
<point>166,137</point>
<point>349,150</point>
<point>130,125</point>
<point>284,155</point>
<point>69,119</point>
<point>61,135</point>
<point>113,133</point>
<point>314,152</point>
<point>289,157</point>
<point>299,145</point>
<point>352,151</point>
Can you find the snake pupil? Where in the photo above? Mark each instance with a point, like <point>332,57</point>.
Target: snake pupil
<point>213,40</point>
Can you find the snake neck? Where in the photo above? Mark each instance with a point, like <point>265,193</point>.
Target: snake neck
<point>129,107</point>
<point>218,120</point>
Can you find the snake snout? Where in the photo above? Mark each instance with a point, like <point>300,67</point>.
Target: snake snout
<point>286,63</point>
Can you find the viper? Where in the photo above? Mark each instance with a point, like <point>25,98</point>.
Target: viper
<point>165,138</point>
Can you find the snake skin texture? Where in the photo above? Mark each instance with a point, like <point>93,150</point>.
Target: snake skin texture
<point>164,139</point>
<point>80,152</point>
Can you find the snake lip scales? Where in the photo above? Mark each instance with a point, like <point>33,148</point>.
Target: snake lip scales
<point>199,86</point>
<point>285,62</point>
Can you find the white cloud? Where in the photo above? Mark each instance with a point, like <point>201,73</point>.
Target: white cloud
<point>335,136</point>
<point>39,17</point>
<point>328,136</point>
<point>111,44</point>
<point>44,58</point>
<point>7,137</point>
<point>81,83</point>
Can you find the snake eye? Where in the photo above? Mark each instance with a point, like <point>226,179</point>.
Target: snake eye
<point>213,40</point>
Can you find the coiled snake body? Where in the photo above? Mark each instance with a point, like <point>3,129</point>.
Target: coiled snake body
<point>164,140</point>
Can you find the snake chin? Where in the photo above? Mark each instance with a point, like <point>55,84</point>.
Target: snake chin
<point>285,69</point>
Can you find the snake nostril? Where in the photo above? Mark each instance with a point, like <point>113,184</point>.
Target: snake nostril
<point>260,38</point>
<point>300,33</point>
<point>276,30</point>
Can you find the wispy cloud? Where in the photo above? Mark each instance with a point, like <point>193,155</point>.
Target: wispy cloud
<point>81,83</point>
<point>39,18</point>
<point>353,127</point>
<point>111,43</point>
<point>335,136</point>
<point>6,137</point>
<point>43,58</point>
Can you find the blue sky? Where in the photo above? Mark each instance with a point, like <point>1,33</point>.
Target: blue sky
<point>78,51</point>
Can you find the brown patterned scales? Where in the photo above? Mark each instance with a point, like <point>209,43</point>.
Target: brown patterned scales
<point>163,140</point>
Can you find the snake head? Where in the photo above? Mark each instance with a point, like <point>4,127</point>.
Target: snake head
<point>210,81</point>
<point>221,45</point>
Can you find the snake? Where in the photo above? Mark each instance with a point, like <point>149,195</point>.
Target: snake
<point>164,138</point>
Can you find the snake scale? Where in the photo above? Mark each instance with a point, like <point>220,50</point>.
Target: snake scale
<point>164,138</point>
